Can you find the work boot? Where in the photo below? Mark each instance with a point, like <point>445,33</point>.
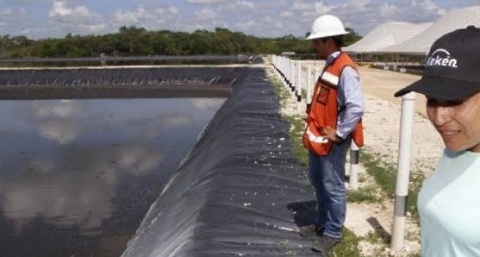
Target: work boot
<point>311,231</point>
<point>325,244</point>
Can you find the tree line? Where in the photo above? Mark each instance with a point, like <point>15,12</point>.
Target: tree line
<point>137,41</point>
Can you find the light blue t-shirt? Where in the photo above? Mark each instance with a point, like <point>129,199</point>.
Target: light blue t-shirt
<point>449,207</point>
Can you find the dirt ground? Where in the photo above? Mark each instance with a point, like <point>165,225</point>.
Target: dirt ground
<point>384,83</point>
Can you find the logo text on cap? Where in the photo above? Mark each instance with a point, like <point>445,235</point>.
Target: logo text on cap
<point>441,57</point>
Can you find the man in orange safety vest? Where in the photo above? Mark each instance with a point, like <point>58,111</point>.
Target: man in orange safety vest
<point>334,118</point>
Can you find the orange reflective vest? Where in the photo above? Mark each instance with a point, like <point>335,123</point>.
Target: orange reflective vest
<point>323,110</point>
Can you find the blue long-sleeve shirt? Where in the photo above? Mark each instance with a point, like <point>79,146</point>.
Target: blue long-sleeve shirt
<point>350,96</point>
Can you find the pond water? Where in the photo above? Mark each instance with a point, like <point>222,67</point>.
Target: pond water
<point>78,176</point>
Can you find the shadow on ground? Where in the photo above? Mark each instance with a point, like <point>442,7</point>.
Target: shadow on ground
<point>305,212</point>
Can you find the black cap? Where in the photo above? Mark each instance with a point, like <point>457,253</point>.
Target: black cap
<point>452,68</point>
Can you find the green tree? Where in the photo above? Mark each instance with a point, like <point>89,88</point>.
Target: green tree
<point>351,37</point>
<point>137,41</point>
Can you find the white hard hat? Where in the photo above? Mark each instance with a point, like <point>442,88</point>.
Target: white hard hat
<point>327,26</point>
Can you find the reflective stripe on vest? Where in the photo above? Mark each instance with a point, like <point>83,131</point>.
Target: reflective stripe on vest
<point>316,139</point>
<point>330,78</point>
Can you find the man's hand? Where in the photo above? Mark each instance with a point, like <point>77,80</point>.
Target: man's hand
<point>330,133</point>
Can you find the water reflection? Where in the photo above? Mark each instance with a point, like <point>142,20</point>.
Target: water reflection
<point>77,176</point>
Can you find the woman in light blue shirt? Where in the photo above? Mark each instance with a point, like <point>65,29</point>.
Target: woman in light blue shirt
<point>449,201</point>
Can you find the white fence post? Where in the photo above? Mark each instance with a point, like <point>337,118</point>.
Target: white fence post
<point>310,84</point>
<point>354,158</point>
<point>298,89</point>
<point>403,171</point>
<point>294,79</point>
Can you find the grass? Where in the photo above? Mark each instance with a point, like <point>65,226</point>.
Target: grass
<point>349,246</point>
<point>383,173</point>
<point>363,195</point>
<point>296,131</point>
<point>385,178</point>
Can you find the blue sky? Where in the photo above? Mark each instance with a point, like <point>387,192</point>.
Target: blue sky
<point>270,18</point>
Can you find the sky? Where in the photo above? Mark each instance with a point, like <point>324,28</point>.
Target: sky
<point>39,19</point>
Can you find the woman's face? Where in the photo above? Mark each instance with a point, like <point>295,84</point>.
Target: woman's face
<point>457,122</point>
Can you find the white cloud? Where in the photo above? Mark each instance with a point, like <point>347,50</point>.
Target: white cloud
<point>59,109</point>
<point>239,5</point>
<point>62,131</point>
<point>11,11</point>
<point>358,3</point>
<point>424,4</point>
<point>145,17</point>
<point>166,11</point>
<point>388,10</point>
<point>287,14</point>
<point>130,17</point>
<point>58,126</point>
<point>322,8</point>
<point>83,201</point>
<point>74,19</point>
<point>60,9</point>
<point>245,25</point>
<point>92,28</point>
<point>428,6</point>
<point>138,159</point>
<point>207,103</point>
<point>206,14</point>
<point>247,4</point>
<point>174,120</point>
<point>204,1</point>
<point>300,6</point>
